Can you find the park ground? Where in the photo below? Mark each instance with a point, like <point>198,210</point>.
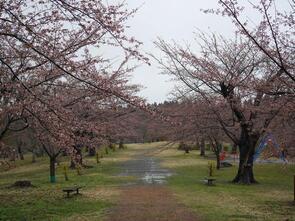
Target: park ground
<point>107,195</point>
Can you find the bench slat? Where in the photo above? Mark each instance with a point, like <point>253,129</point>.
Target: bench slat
<point>71,189</point>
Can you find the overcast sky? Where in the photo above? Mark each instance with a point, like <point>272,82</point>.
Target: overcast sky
<point>169,20</point>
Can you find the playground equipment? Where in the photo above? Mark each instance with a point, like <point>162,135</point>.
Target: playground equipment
<point>275,151</point>
<point>222,156</point>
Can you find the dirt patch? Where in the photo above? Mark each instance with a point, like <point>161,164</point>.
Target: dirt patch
<point>22,184</point>
<point>150,203</point>
<point>102,193</point>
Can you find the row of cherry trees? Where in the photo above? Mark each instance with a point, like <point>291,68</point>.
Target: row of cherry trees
<point>57,83</point>
<point>243,87</point>
<point>55,80</point>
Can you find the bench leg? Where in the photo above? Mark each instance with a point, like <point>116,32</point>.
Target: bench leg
<point>68,194</point>
<point>77,191</point>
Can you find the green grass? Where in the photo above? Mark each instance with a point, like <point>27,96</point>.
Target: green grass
<point>269,200</point>
<point>46,201</point>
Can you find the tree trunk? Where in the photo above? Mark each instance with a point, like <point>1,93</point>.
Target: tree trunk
<point>216,148</point>
<point>186,149</point>
<point>234,149</point>
<point>20,153</point>
<point>52,169</point>
<point>217,154</point>
<point>33,157</point>
<point>91,151</point>
<point>79,159</point>
<point>202,148</point>
<point>217,162</point>
<point>245,173</point>
<point>112,146</point>
<point>121,144</point>
<point>73,164</point>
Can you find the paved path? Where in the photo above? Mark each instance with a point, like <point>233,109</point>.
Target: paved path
<point>148,199</point>
<point>146,168</point>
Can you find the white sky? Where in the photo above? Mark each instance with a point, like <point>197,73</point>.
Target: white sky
<point>169,20</point>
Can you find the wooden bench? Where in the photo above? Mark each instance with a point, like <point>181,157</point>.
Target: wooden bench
<point>209,181</point>
<point>71,189</point>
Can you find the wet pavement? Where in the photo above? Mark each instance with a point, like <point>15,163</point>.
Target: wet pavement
<point>146,169</point>
<point>147,199</point>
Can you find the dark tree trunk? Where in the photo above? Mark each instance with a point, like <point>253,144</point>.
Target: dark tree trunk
<point>217,154</point>
<point>216,148</point>
<point>121,144</point>
<point>52,169</point>
<point>91,151</point>
<point>79,156</point>
<point>217,162</point>
<point>234,149</point>
<point>202,148</point>
<point>20,152</point>
<point>73,164</point>
<point>52,161</point>
<point>247,145</point>
<point>186,149</point>
<point>112,146</point>
<point>12,156</point>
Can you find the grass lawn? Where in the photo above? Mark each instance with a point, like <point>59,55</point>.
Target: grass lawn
<point>46,201</point>
<point>269,200</point>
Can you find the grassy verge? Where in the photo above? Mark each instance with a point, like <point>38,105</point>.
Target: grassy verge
<point>269,200</point>
<point>46,201</point>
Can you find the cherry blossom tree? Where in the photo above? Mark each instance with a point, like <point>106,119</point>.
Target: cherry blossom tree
<point>197,124</point>
<point>47,45</point>
<point>237,77</point>
<point>55,78</point>
<point>273,35</point>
